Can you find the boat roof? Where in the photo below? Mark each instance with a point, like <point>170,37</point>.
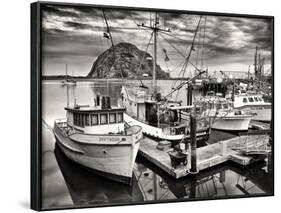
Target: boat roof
<point>94,109</point>
<point>180,107</point>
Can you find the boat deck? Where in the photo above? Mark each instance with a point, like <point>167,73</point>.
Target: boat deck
<point>207,156</point>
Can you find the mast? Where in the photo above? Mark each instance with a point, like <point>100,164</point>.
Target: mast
<point>256,63</point>
<point>154,83</point>
<point>155,28</point>
<point>67,90</point>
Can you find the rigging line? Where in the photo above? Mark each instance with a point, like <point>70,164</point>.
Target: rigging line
<point>144,54</point>
<point>192,45</point>
<point>133,19</point>
<point>183,19</point>
<point>198,46</point>
<point>162,47</point>
<point>203,45</point>
<point>173,36</point>
<point>179,52</point>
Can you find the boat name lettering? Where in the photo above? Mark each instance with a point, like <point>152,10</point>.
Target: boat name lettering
<point>109,139</point>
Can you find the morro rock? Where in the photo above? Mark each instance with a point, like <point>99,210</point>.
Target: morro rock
<point>124,60</point>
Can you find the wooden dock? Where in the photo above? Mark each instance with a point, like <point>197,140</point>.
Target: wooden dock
<point>207,156</point>
<point>259,125</point>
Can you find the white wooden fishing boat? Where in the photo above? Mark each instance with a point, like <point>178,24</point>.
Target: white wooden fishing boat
<point>96,138</point>
<point>161,121</point>
<point>222,115</point>
<point>161,117</point>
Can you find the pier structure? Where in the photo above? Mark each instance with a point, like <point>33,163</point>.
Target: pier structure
<point>207,156</point>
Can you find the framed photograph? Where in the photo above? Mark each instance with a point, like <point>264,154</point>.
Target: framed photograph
<point>139,106</point>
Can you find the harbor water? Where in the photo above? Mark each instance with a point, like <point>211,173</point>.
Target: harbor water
<point>64,183</point>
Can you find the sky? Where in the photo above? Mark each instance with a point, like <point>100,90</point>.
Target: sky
<point>74,36</point>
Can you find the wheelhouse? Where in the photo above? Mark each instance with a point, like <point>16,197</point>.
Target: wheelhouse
<point>98,118</point>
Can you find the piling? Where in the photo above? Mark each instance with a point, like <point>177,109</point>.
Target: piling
<point>189,95</point>
<point>193,162</point>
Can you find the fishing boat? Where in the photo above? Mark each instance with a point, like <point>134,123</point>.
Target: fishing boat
<point>160,120</point>
<point>96,137</point>
<point>161,116</point>
<point>222,115</point>
<point>255,104</point>
<point>68,81</point>
<point>253,100</point>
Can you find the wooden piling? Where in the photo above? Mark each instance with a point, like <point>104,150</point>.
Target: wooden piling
<point>193,142</point>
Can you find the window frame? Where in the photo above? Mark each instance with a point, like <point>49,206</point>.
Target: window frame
<point>102,114</point>
<point>91,119</point>
<point>115,118</point>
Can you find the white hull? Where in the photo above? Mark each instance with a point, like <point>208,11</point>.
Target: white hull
<point>260,113</point>
<point>115,159</point>
<point>231,123</point>
<point>157,132</point>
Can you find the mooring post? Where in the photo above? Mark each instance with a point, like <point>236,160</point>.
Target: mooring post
<point>189,94</point>
<point>193,169</point>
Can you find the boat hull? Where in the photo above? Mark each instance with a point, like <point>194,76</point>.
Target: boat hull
<point>231,123</point>
<point>259,113</point>
<point>114,161</point>
<point>160,134</point>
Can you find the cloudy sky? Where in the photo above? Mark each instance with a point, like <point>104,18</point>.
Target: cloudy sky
<point>74,36</point>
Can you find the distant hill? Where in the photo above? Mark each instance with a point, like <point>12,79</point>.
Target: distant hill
<point>125,58</point>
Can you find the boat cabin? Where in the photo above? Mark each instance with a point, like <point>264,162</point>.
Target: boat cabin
<point>252,100</point>
<point>98,119</point>
<point>214,104</point>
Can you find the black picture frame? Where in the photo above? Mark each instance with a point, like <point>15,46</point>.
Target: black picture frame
<point>36,98</point>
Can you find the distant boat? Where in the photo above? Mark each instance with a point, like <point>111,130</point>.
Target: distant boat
<point>96,138</point>
<point>255,104</point>
<point>68,81</point>
<point>222,115</point>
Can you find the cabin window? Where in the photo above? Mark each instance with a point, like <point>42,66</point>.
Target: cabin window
<point>256,99</point>
<point>80,120</point>
<point>260,99</point>
<point>251,99</point>
<point>74,119</point>
<point>120,117</point>
<point>245,100</point>
<point>87,121</point>
<point>103,119</point>
<point>112,118</point>
<point>94,120</point>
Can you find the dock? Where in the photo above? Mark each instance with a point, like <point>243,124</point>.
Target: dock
<point>207,156</point>
<point>259,125</point>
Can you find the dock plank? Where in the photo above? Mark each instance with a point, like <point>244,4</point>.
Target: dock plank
<point>207,156</point>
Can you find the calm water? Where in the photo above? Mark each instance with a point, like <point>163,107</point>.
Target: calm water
<point>65,183</point>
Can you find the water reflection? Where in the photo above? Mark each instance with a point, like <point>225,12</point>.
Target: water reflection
<point>152,184</point>
<point>221,181</point>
